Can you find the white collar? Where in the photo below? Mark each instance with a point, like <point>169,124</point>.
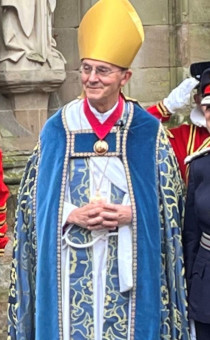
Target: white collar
<point>196,154</point>
<point>102,116</point>
<point>197,117</point>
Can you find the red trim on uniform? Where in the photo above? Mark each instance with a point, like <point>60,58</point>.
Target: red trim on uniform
<point>159,111</point>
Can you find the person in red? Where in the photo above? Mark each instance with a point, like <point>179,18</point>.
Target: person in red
<point>185,138</point>
<point>4,194</point>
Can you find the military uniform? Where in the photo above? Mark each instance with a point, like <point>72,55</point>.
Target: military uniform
<point>196,241</point>
<point>185,139</point>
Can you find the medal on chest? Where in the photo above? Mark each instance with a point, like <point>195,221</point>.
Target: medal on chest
<point>101,146</point>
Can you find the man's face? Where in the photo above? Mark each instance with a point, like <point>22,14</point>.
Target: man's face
<point>102,82</point>
<point>206,111</point>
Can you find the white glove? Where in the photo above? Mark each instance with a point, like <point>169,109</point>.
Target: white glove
<point>180,96</point>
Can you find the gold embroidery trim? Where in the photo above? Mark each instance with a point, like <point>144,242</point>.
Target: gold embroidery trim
<point>134,221</point>
<point>191,140</point>
<point>204,145</point>
<point>59,222</point>
<point>93,154</point>
<point>191,145</point>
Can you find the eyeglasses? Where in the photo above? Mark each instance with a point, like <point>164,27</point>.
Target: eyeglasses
<point>101,71</point>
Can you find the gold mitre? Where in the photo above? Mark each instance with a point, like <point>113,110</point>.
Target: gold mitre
<point>111,31</point>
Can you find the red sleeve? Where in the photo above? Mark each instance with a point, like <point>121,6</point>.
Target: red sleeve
<point>159,111</point>
<point>4,194</point>
<point>179,137</point>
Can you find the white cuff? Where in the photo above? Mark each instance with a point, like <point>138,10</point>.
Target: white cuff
<point>125,261</point>
<point>125,253</point>
<point>169,107</point>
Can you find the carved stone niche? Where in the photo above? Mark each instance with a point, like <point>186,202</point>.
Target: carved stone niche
<point>30,65</point>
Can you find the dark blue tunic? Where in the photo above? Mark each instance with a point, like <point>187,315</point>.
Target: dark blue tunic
<point>197,220</point>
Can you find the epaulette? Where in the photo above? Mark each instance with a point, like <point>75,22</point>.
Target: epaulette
<point>196,154</point>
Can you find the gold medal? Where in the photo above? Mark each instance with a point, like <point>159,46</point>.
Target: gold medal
<point>101,147</point>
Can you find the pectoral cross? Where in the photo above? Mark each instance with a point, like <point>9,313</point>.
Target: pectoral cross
<point>97,197</point>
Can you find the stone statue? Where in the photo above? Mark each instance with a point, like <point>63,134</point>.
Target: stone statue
<point>30,65</point>
<point>27,32</point>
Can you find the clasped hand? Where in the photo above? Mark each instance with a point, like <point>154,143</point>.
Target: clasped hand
<point>100,215</point>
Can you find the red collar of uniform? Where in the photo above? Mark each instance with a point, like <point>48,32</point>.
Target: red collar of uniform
<point>102,129</point>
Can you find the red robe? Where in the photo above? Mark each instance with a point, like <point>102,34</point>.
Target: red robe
<point>185,139</point>
<point>4,194</point>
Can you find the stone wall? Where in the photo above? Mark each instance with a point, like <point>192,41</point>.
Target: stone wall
<point>177,33</point>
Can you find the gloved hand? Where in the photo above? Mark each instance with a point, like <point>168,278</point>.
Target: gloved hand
<point>180,96</point>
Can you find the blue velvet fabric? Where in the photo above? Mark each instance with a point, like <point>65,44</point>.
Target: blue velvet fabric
<point>53,145</point>
<point>143,171</point>
<point>84,142</point>
<point>141,156</point>
<point>141,142</point>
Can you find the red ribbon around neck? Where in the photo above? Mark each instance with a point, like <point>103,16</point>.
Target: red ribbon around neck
<point>102,129</point>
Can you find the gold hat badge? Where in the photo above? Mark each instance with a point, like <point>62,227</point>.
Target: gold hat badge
<point>111,31</point>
